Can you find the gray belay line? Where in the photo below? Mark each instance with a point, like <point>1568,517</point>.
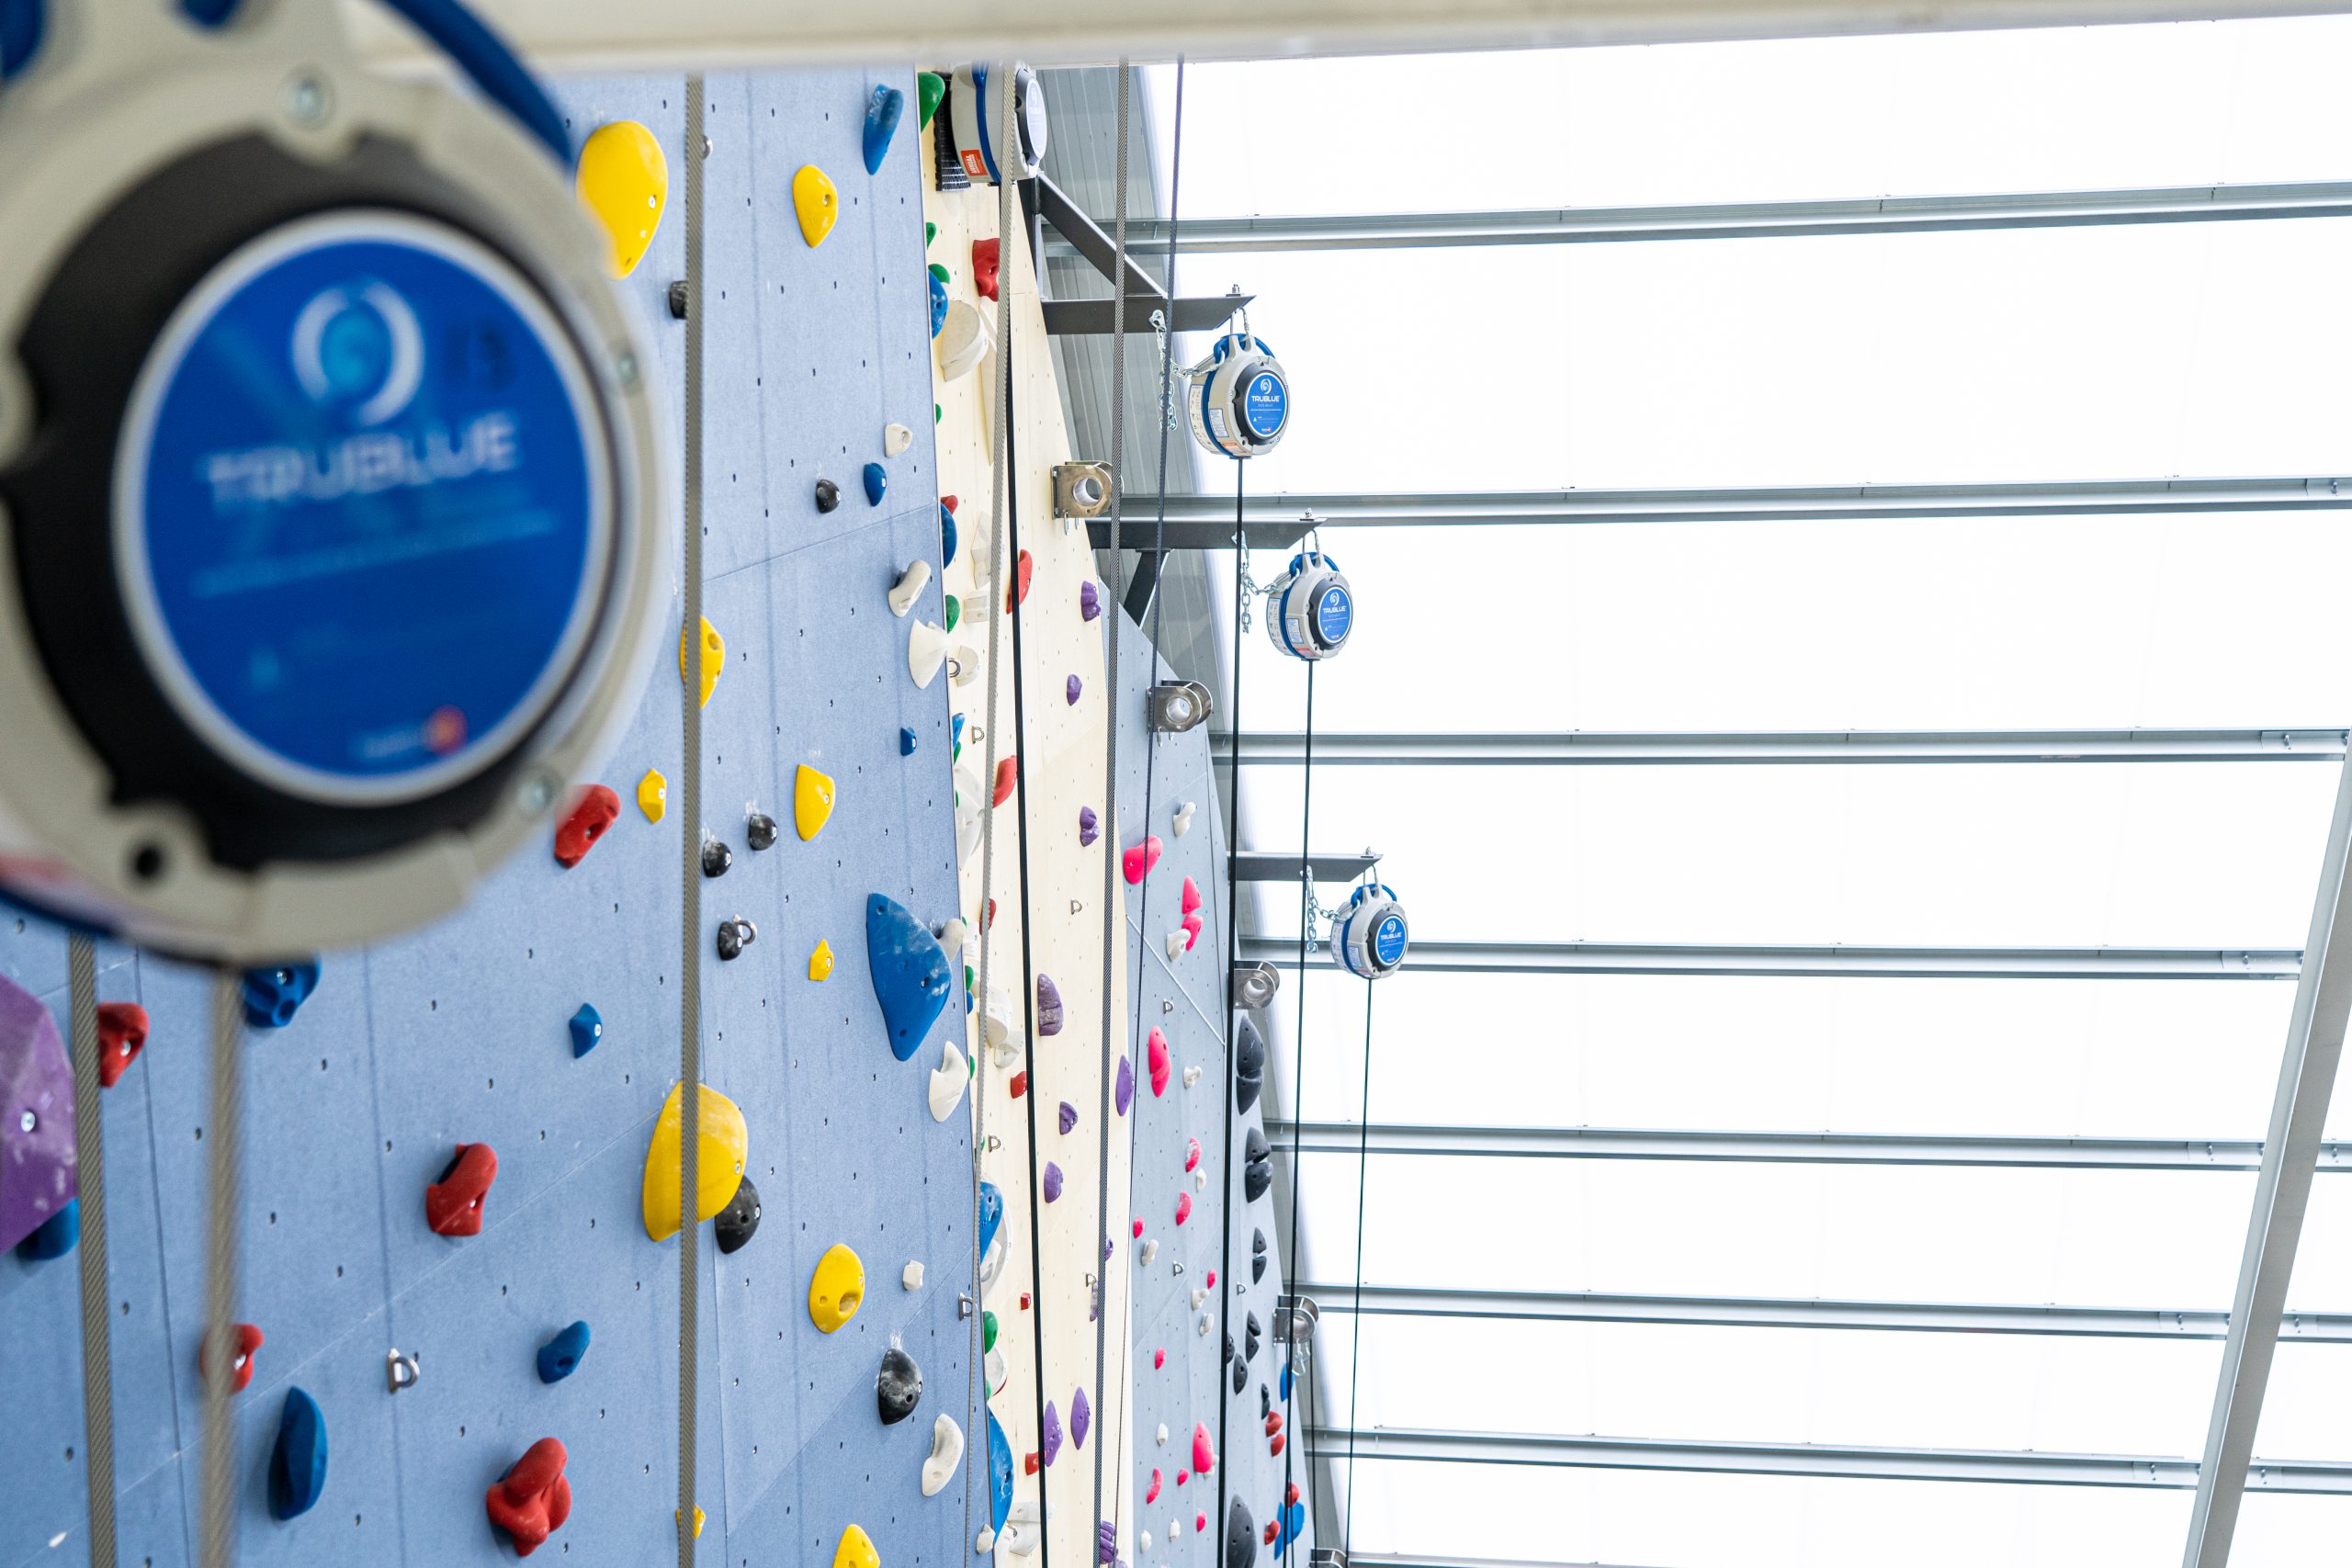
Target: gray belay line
<point>690,880</point>
<point>90,1180</point>
<point>217,1546</point>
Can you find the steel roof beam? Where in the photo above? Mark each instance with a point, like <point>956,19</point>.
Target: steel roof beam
<point>1906,962</point>
<point>1754,748</point>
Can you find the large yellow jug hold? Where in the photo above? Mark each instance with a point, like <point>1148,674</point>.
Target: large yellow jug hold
<point>812,801</point>
<point>856,1550</point>
<point>817,202</point>
<point>722,1149</point>
<point>624,180</point>
<point>837,1290</point>
<point>714,659</point>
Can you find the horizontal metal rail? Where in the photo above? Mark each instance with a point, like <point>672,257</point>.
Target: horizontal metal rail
<point>1902,962</point>
<point>1784,1148</point>
<point>1749,219</point>
<point>1205,522</point>
<point>1783,1312</point>
<point>1277,865</point>
<point>1753,748</point>
<point>1720,1458</point>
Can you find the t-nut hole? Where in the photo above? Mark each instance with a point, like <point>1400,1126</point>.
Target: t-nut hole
<point>147,861</point>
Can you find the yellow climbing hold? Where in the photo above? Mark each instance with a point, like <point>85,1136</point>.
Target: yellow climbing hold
<point>817,202</point>
<point>856,1550</point>
<point>821,963</point>
<point>714,659</point>
<point>624,180</point>
<point>725,1145</point>
<point>812,801</point>
<point>653,794</point>
<point>837,1290</point>
<point>698,1518</point>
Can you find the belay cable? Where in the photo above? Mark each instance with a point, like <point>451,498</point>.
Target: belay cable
<point>90,1182</point>
<point>689,834</point>
<point>1297,1098</point>
<point>1232,957</point>
<point>1355,1310</point>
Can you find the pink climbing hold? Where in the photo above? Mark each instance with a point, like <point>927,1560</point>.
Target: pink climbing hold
<point>1211,1282</point>
<point>1203,1456</point>
<point>1192,925</point>
<point>1192,1154</point>
<point>1192,896</point>
<point>1153,1494</point>
<point>1158,1359</point>
<point>1183,1207</point>
<point>1138,1227</point>
<point>1137,862</point>
<point>1008,773</point>
<point>1156,1055</point>
<point>1200,1523</point>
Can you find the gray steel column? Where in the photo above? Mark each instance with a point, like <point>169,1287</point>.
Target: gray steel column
<point>2290,1150</point>
<point>1910,963</point>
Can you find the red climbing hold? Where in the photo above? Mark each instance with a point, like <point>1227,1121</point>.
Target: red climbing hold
<point>1138,1227</point>
<point>1183,1207</point>
<point>453,1204</point>
<point>595,810</point>
<point>1024,1301</point>
<point>122,1034</point>
<point>1008,773</point>
<point>1158,1359</point>
<point>1192,1153</point>
<point>1029,1463</point>
<point>531,1501</point>
<point>1019,591</point>
<point>1292,1496</point>
<point>240,1367</point>
<point>1276,1445</point>
<point>1273,1422</point>
<point>986,260</point>
<point>1271,1527</point>
<point>1020,1085</point>
<point>988,923</point>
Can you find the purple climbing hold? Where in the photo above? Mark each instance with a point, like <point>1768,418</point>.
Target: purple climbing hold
<point>1050,1442</point>
<point>1049,1005</point>
<point>1070,690</point>
<point>1089,600</point>
<point>1088,831</point>
<point>1053,1181</point>
<point>1069,1117</point>
<point>38,1178</point>
<point>1124,1091</point>
<point>1081,1419</point>
<point>1107,1542</point>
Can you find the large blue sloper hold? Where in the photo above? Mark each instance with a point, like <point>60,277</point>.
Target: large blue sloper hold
<point>298,1464</point>
<point>911,974</point>
<point>1000,1475</point>
<point>882,112</point>
<point>946,535</point>
<point>938,305</point>
<point>991,1214</point>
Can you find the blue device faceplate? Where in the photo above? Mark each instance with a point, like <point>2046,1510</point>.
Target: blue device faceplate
<point>1265,404</point>
<point>362,510</point>
<point>1334,612</point>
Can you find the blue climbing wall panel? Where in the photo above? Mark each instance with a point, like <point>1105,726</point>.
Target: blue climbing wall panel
<point>457,1034</point>
<point>1185,998</point>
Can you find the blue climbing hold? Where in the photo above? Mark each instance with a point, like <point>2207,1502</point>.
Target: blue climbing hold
<point>1000,1475</point>
<point>298,1465</point>
<point>1294,1520</point>
<point>905,743</point>
<point>938,303</point>
<point>273,995</point>
<point>882,111</point>
<point>991,1214</point>
<point>54,1236</point>
<point>911,973</point>
<point>1285,1380</point>
<point>955,733</point>
<point>877,480</point>
<point>946,535</point>
<point>561,1356</point>
<point>587,1028</point>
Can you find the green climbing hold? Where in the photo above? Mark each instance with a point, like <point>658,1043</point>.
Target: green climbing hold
<point>955,609</point>
<point>988,1331</point>
<point>930,232</point>
<point>939,271</point>
<point>929,88</point>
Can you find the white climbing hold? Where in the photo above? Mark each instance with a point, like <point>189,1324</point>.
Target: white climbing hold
<point>926,651</point>
<point>1149,1250</point>
<point>1008,1055</point>
<point>1183,823</point>
<point>996,1025</point>
<point>948,1081</point>
<point>993,1365</point>
<point>1204,1325</point>
<point>946,1452</point>
<point>910,584</point>
<point>1200,1295</point>
<point>951,935</point>
<point>964,664</point>
<point>1191,1077</point>
<point>896,438</point>
<point>1200,1178</point>
<point>985,1540</point>
<point>1021,1530</point>
<point>1146,1540</point>
<point>963,340</point>
<point>1177,942</point>
<point>1162,1438</point>
<point>911,1275</point>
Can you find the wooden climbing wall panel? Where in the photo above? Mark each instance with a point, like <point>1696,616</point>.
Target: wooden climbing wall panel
<point>458,1034</point>
<point>1062,769</point>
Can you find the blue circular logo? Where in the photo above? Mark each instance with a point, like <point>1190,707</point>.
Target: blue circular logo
<point>1334,612</point>
<point>1388,941</point>
<point>1265,405</point>
<point>362,515</point>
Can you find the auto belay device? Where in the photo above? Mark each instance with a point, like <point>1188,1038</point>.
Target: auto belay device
<point>976,116</point>
<point>1369,934</point>
<point>333,541</point>
<point>1238,398</point>
<point>1310,609</point>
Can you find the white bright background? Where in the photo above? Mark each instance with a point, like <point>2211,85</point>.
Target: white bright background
<point>2124,353</point>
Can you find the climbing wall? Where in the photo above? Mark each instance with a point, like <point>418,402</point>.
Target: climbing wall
<point>1179,1360</point>
<point>459,1034</point>
<point>1067,709</point>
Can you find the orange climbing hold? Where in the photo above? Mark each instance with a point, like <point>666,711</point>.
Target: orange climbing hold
<point>241,1363</point>
<point>453,1204</point>
<point>1019,591</point>
<point>1008,773</point>
<point>596,809</point>
<point>531,1501</point>
<point>122,1034</point>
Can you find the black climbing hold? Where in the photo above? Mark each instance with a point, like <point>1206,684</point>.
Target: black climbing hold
<point>1257,1166</point>
<point>1250,1339</point>
<point>1240,1376</point>
<point>1228,1348</point>
<point>1248,1064</point>
<point>716,857</point>
<point>898,1387</point>
<point>1257,1256</point>
<point>829,495</point>
<point>1240,1536</point>
<point>678,298</point>
<point>1265,1402</point>
<point>760,831</point>
<point>738,933</point>
<point>736,1222</point>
